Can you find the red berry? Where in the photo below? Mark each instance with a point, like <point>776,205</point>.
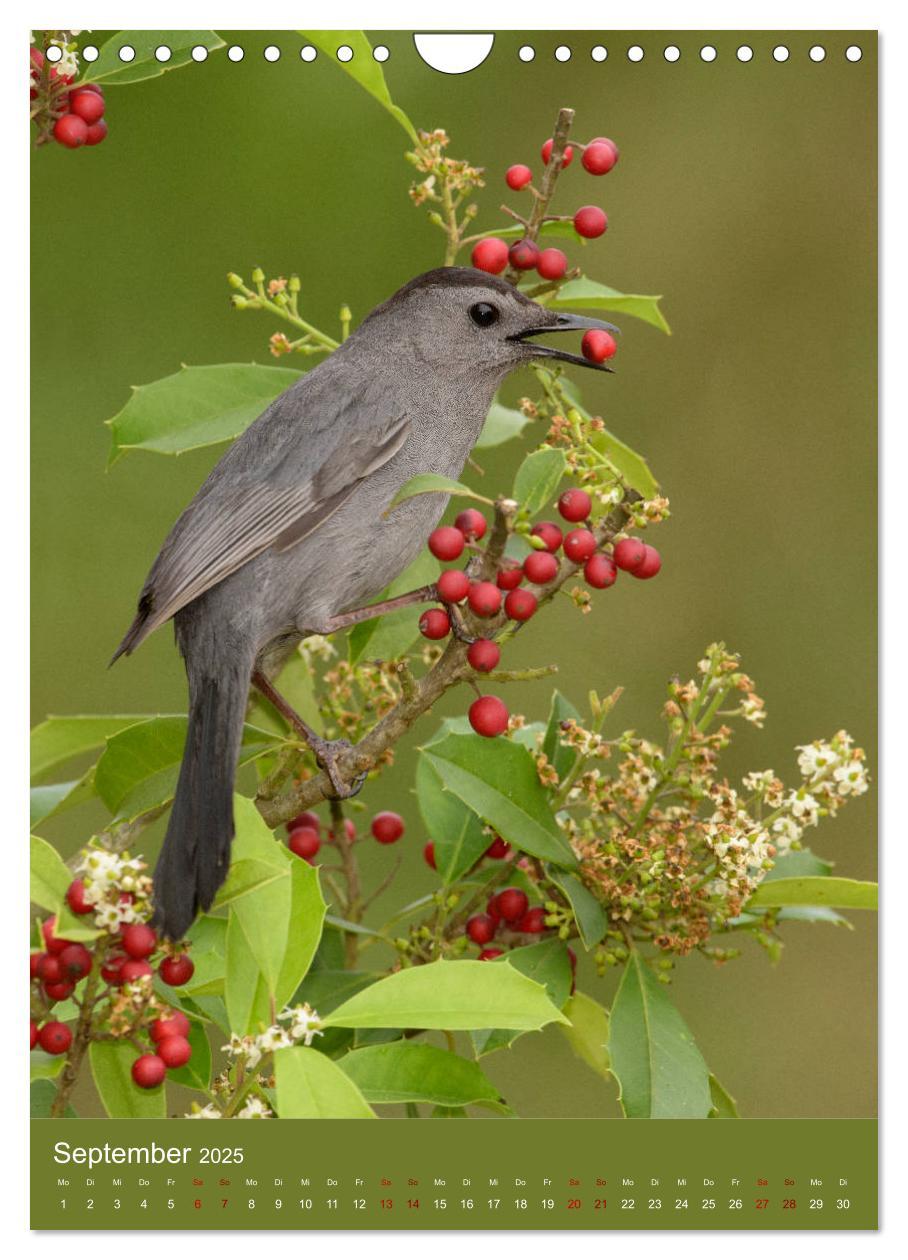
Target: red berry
<point>435,624</point>
<point>509,578</point>
<point>579,545</point>
<point>484,598</point>
<point>54,1037</point>
<point>111,967</point>
<point>599,157</point>
<point>518,177</point>
<point>550,534</point>
<point>483,655</point>
<point>75,961</point>
<point>177,970</point>
<point>590,221</point>
<point>446,542</point>
<point>90,87</point>
<point>428,853</point>
<point>34,963</point>
<point>175,1051</point>
<point>305,819</point>
<point>551,263</point>
<point>71,131</point>
<point>50,969</point>
<point>489,715</point>
<point>566,160</point>
<point>481,928</point>
<point>520,604</point>
<point>488,954</point>
<point>497,850</point>
<point>597,345</point>
<point>651,564</point>
<point>540,567</point>
<point>53,944</point>
<point>512,903</point>
<point>600,571</point>
<point>75,898</point>
<point>134,969</point>
<point>349,830</point>
<point>471,523</point>
<point>524,255</point>
<point>492,908</point>
<point>138,940</point>
<point>533,921</point>
<point>37,59</point>
<point>452,586</point>
<point>33,1034</point>
<point>304,842</point>
<point>387,827</point>
<point>60,991</point>
<point>175,1025</point>
<point>148,1071</point>
<point>88,106</point>
<point>575,505</point>
<point>490,254</point>
<point>630,554</point>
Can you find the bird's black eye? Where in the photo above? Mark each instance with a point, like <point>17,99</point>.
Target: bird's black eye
<point>484,314</point>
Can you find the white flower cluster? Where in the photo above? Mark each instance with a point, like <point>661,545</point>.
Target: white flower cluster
<point>302,1025</point>
<point>838,760</point>
<point>317,647</point>
<point>69,57</point>
<point>116,887</point>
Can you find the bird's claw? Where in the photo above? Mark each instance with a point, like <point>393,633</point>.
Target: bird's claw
<point>458,628</point>
<point>326,753</point>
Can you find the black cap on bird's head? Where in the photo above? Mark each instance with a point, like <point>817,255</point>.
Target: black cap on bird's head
<point>462,316</point>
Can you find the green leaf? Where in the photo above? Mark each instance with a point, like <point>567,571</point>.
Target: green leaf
<point>59,739</point>
<point>433,483</point>
<point>548,964</point>
<point>561,229</point>
<point>363,68</point>
<point>816,890</point>
<point>538,477</point>
<point>386,638</point>
<point>45,1067</point>
<point>498,779</point>
<point>632,467</point>
<point>111,1064</point>
<point>111,71</point>
<point>195,407</point>
<point>502,424</point>
<point>273,927</point>
<point>41,1098</point>
<point>138,770</point>
<point>591,919</point>
<point>654,1058</point>
<point>560,755</point>
<point>49,876</point>
<point>459,836</point>
<point>196,1074</point>
<point>407,1071</point>
<point>591,295</point>
<point>451,995</point>
<point>797,862</point>
<point>310,1086</point>
<point>587,1032</point>
<point>52,799</point>
<point>724,1106</point>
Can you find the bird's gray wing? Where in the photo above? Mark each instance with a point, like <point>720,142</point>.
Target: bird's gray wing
<point>227,525</point>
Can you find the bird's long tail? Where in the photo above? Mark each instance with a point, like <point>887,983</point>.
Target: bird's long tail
<point>196,852</point>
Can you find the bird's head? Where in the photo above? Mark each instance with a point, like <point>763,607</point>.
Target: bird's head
<point>460,319</point>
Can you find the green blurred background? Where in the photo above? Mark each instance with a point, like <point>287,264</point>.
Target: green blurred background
<point>746,194</point>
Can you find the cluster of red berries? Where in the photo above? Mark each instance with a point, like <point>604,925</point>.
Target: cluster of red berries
<point>79,110</point>
<point>494,255</point>
<point>172,1049</point>
<point>506,911</point>
<point>59,967</point>
<point>304,833</point>
<point>488,715</point>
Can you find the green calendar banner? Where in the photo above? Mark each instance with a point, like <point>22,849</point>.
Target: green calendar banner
<point>546,1174</point>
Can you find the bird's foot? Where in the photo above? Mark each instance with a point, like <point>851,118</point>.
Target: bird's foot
<point>458,626</point>
<point>327,752</point>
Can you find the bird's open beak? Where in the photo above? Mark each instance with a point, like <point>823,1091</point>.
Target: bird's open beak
<point>566,322</point>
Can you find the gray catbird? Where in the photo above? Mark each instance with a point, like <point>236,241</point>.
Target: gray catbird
<point>288,537</point>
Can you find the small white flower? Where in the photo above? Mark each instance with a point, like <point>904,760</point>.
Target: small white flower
<point>274,1038</point>
<point>318,646</point>
<point>816,759</point>
<point>208,1112</point>
<point>753,711</point>
<point>851,778</point>
<point>254,1109</point>
<point>786,832</point>
<point>759,780</point>
<point>304,1025</point>
<point>805,808</point>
